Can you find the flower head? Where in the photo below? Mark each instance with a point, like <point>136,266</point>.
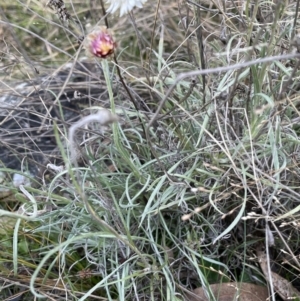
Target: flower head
<point>125,6</point>
<point>100,42</point>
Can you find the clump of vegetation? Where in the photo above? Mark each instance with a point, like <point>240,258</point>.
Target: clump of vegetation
<point>195,176</point>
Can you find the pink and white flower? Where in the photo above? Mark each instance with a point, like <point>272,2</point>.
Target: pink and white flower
<point>100,42</point>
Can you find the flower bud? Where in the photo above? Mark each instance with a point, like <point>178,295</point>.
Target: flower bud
<point>100,42</point>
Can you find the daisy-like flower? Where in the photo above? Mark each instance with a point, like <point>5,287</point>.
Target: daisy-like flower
<point>125,6</point>
<point>100,42</point>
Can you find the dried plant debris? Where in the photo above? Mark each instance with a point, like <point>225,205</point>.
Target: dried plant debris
<point>231,291</point>
<point>59,7</point>
<point>282,286</point>
<point>31,110</point>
